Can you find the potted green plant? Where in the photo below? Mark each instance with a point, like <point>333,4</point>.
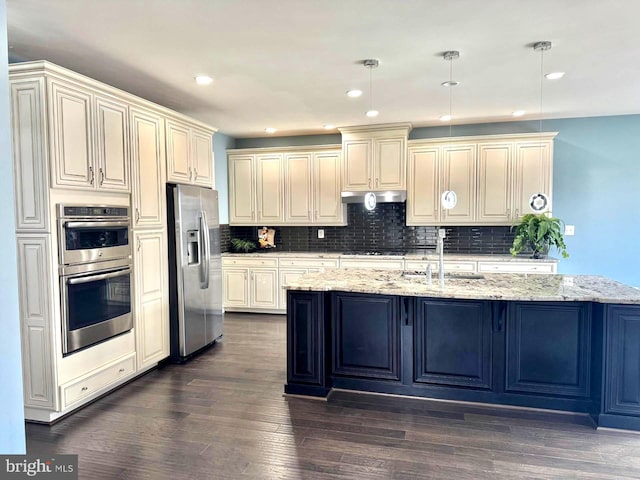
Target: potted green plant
<point>539,232</point>
<point>242,246</point>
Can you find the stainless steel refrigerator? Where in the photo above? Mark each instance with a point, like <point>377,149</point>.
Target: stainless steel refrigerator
<point>195,269</point>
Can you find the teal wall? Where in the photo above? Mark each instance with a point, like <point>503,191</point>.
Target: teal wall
<point>596,185</point>
<point>221,143</point>
<point>12,435</point>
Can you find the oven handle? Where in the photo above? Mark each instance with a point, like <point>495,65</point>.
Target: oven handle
<point>122,223</point>
<point>102,276</point>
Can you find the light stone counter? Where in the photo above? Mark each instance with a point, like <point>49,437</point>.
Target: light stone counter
<point>522,287</point>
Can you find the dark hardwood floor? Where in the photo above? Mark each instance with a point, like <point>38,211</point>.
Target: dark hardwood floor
<point>223,416</point>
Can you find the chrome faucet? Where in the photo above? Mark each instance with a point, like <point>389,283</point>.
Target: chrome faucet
<point>441,233</point>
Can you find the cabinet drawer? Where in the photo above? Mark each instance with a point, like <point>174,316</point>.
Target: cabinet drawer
<point>250,262</point>
<point>76,390</point>
<point>516,267</point>
<point>390,264</point>
<point>309,262</point>
<point>421,265</point>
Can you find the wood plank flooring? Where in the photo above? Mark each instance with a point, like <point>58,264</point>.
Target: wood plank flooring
<point>223,416</point>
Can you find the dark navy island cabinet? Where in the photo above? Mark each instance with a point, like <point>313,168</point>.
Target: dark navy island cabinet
<point>574,356</point>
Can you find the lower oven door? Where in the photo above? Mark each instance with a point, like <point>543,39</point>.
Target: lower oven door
<point>95,306</point>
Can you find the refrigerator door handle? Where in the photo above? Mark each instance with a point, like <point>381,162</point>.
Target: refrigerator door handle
<point>204,226</point>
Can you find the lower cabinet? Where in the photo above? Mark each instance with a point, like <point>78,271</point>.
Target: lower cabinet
<point>151,315</point>
<point>548,348</point>
<point>253,288</point>
<point>622,353</point>
<point>366,339</point>
<point>452,343</point>
<point>306,371</point>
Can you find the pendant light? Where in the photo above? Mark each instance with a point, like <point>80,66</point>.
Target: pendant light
<point>371,63</point>
<point>539,202</point>
<point>449,198</point>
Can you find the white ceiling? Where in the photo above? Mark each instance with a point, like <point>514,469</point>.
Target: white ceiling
<point>288,63</point>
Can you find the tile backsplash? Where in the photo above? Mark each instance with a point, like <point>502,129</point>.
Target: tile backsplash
<point>382,229</point>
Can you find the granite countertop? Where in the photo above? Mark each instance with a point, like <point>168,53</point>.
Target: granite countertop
<point>503,286</point>
<point>433,257</point>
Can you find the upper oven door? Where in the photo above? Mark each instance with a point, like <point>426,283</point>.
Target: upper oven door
<point>91,240</point>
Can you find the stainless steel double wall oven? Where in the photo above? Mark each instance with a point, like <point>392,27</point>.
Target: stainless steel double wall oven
<point>95,273</point>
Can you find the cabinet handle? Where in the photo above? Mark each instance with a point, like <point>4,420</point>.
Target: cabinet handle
<point>369,182</point>
<point>101,176</point>
<point>139,245</point>
<point>195,174</point>
<point>92,175</point>
<point>517,213</point>
<point>509,212</point>
<point>190,173</point>
<point>137,215</point>
<point>376,183</point>
<point>407,308</point>
<point>497,316</point>
<point>121,370</point>
<point>84,389</point>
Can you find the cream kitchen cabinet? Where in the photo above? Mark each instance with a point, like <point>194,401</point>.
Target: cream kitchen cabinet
<point>256,189</point>
<point>88,136</point>
<point>493,176</point>
<point>312,188</point>
<point>189,154</point>
<point>151,297</point>
<point>374,157</point>
<point>147,147</point>
<point>250,283</point>
<point>509,173</point>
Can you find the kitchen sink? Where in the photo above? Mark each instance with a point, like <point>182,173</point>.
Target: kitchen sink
<point>448,275</point>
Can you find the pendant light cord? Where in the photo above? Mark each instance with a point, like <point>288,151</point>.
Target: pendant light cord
<point>450,94</point>
<point>541,85</point>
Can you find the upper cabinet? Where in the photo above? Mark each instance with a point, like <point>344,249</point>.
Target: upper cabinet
<point>189,154</point>
<point>89,138</point>
<point>147,153</point>
<point>374,157</point>
<point>293,186</point>
<point>493,177</point>
<point>312,188</point>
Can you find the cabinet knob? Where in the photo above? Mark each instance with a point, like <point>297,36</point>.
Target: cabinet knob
<point>121,370</point>
<point>84,389</point>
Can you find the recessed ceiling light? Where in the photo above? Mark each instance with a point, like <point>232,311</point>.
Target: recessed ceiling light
<point>518,113</point>
<point>445,118</point>
<point>354,93</point>
<point>203,79</point>
<point>270,130</point>
<point>450,83</point>
<point>329,127</point>
<point>372,113</point>
<point>554,75</point>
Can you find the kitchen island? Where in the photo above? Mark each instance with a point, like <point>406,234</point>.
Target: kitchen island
<point>559,342</point>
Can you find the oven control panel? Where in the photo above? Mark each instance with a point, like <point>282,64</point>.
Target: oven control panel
<point>94,211</point>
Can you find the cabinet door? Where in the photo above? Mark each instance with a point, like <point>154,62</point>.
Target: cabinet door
<point>269,188</point>
<point>242,199</point>
<point>147,147</point>
<point>366,336</point>
<point>548,348</point>
<point>179,168</point>
<point>622,357</point>
<point>71,136</point>
<point>356,166</point>
<point>151,318</point>
<point>236,287</point>
<point>389,163</point>
<point>494,183</point>
<point>263,290</point>
<point>459,175</point>
<point>452,343</point>
<point>328,206</point>
<point>112,144</point>
<point>305,340</point>
<point>532,174</point>
<point>288,275</point>
<point>202,158</point>
<point>298,192</point>
<point>423,197</point>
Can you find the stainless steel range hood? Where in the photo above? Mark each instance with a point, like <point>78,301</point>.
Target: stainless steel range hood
<point>382,196</point>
